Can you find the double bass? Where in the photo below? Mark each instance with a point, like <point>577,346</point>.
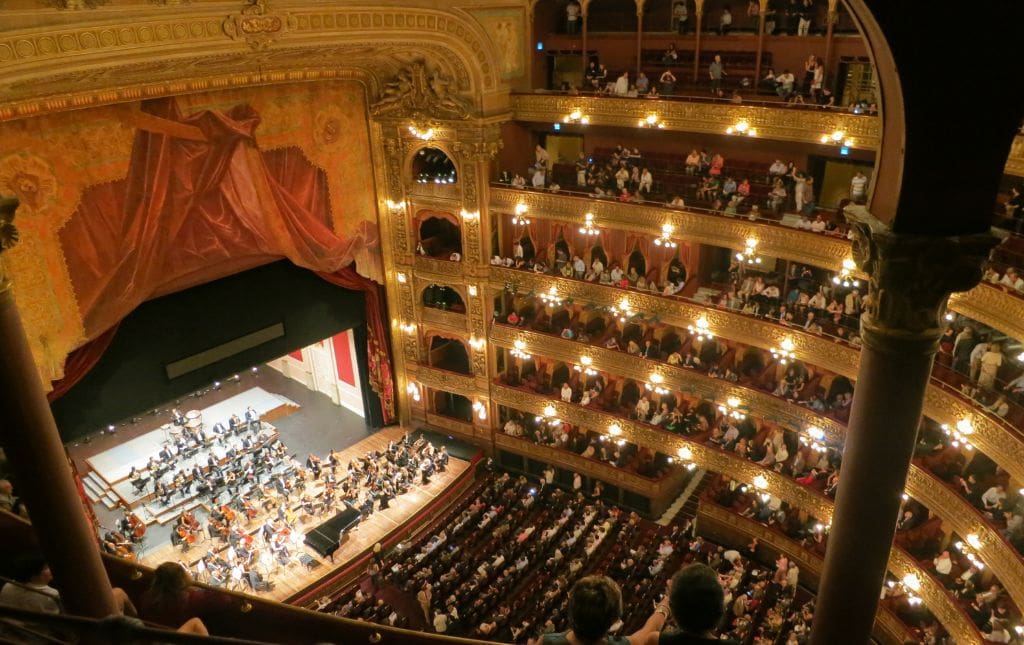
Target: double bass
<point>136,527</point>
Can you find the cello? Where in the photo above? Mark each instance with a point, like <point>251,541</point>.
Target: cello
<point>136,527</point>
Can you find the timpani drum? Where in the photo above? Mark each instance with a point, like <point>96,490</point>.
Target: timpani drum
<point>193,423</point>
<point>193,415</point>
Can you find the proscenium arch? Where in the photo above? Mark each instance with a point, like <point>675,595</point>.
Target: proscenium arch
<point>51,79</point>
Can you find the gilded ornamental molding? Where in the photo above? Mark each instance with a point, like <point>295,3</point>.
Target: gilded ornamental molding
<point>993,306</point>
<point>921,485</point>
<point>665,442</point>
<point>1015,162</point>
<point>815,350</point>
<point>427,267</point>
<point>964,519</point>
<point>936,598</point>
<point>124,55</point>
<point>900,563</point>
<point>438,379</point>
<point>446,320</point>
<point>987,304</point>
<point>590,467</point>
<point>675,378</point>
<point>887,625</point>
<point>779,123</point>
<point>728,232</point>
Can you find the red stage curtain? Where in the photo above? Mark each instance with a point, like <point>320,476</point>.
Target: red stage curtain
<point>199,196</point>
<point>378,348</point>
<point>80,361</point>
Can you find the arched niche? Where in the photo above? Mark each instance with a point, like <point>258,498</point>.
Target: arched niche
<point>438,234</point>
<point>448,353</point>
<point>432,165</point>
<point>444,297</point>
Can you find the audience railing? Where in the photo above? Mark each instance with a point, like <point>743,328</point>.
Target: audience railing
<point>710,517</point>
<point>1000,556</point>
<point>772,120</point>
<point>995,436</point>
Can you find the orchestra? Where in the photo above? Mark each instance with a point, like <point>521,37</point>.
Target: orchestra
<point>260,479</point>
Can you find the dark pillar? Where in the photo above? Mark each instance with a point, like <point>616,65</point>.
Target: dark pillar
<point>30,439</point>
<point>911,277</point>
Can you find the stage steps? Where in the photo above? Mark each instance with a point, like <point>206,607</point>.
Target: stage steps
<point>98,491</point>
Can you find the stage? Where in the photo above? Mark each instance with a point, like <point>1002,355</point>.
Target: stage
<point>296,576</point>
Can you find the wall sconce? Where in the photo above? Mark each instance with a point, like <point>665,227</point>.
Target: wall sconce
<point>480,409</point>
<point>402,278</point>
<point>585,366</point>
<point>423,135</point>
<point>741,127</point>
<point>576,117</point>
<point>396,207</point>
<point>749,254</point>
<point>551,297</point>
<point>964,428</point>
<point>701,328</point>
<point>476,343</point>
<point>814,437</point>
<point>733,408</point>
<point>760,482</point>
<point>614,429</point>
<point>519,350</point>
<point>470,215</point>
<point>845,278</point>
<point>654,384</point>
<point>588,227</point>
<point>838,137</point>
<point>408,328</point>
<point>472,290</point>
<point>666,237</point>
<point>784,352</point>
<point>652,121</point>
<point>969,547</point>
<point>414,391</point>
<point>548,415</point>
<point>623,311</point>
<point>520,219</point>
<point>909,585</point>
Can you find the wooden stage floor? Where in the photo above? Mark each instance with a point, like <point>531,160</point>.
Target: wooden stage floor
<point>294,577</point>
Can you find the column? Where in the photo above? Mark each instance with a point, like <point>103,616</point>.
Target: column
<point>760,43</point>
<point>639,37</point>
<point>910,279</point>
<point>830,22</point>
<point>29,436</point>
<point>698,9</point>
<point>584,11</point>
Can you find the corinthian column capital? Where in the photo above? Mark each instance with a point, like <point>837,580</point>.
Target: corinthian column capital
<point>910,278</point>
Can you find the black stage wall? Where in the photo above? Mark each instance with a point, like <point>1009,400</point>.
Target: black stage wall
<point>131,377</point>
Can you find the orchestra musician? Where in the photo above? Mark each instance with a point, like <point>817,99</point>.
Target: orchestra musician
<point>177,418</point>
<point>116,543</point>
<point>252,418</point>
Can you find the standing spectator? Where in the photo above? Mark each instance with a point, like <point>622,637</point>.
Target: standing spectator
<point>725,21</point>
<point>809,66</point>
<point>804,14</point>
<point>423,597</point>
<point>581,169</point>
<point>622,84</point>
<point>858,187</point>
<point>542,156</point>
<point>976,354</point>
<point>572,18</point>
<point>754,15</point>
<point>697,601</point>
<point>668,82</point>
<point>646,181</point>
<point>680,16</point>
<point>991,360</point>
<point>715,72</point>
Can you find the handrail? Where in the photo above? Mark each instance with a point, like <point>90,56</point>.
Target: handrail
<point>999,439</point>
<point>117,628</point>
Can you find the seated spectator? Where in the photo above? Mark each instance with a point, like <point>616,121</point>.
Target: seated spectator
<point>171,601</point>
<point>1012,280</point>
<point>595,605</point>
<point>784,84</point>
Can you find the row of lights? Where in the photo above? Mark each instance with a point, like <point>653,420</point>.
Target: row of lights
<point>585,366</point>
<point>911,585</point>
<point>960,433</point>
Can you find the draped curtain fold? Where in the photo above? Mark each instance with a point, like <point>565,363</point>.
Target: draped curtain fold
<point>80,362</point>
<point>200,200</point>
